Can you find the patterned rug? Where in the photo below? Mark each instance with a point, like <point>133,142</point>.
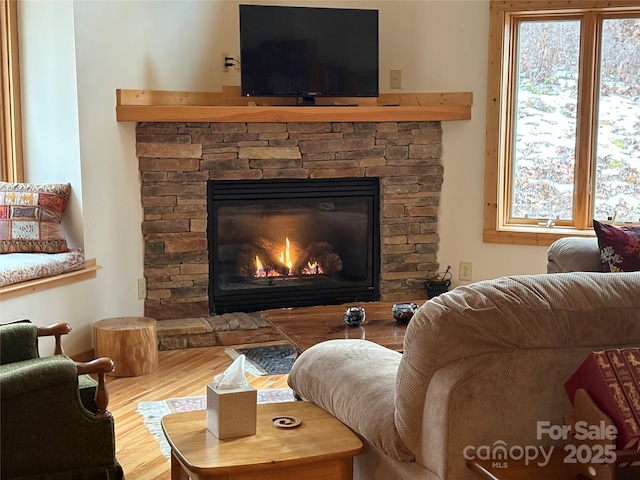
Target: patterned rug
<point>269,360</point>
<point>152,412</point>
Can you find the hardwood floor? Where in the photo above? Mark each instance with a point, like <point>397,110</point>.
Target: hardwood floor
<point>180,373</point>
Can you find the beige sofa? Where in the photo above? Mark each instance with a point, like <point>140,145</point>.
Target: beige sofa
<point>482,364</point>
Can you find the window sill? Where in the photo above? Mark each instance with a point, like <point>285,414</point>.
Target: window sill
<point>541,236</point>
<point>37,285</point>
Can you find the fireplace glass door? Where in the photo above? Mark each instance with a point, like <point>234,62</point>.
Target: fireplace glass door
<point>285,243</point>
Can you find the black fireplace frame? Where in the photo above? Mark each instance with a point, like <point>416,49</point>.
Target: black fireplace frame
<point>221,193</point>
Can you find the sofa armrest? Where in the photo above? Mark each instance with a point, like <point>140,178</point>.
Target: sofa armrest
<point>574,254</point>
<point>354,380</point>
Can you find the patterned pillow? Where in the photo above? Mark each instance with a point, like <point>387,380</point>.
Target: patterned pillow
<point>619,247</point>
<point>30,217</point>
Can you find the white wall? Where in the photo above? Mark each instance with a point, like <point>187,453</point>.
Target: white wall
<point>52,152</point>
<point>176,45</point>
<point>54,145</point>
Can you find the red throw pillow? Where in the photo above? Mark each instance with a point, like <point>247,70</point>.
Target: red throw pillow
<point>619,247</point>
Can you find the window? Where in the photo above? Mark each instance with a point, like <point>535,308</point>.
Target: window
<point>10,120</point>
<point>563,117</point>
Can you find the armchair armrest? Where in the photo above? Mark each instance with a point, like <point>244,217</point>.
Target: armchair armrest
<point>34,375</point>
<point>99,366</point>
<point>57,330</point>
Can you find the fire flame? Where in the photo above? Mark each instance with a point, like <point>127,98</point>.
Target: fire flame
<point>259,269</point>
<point>285,257</point>
<point>312,268</point>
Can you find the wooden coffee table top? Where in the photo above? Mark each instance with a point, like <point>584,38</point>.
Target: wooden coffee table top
<point>320,438</point>
<point>304,327</point>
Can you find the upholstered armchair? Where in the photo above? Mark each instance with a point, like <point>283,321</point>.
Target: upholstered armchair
<point>46,430</point>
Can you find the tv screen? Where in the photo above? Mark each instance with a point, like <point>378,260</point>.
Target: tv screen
<point>308,52</point>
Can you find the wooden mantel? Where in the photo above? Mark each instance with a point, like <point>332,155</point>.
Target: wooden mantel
<point>229,106</point>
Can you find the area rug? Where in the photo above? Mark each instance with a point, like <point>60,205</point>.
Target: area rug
<point>152,412</point>
<point>267,360</point>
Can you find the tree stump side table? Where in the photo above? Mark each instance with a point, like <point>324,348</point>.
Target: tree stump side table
<point>131,342</point>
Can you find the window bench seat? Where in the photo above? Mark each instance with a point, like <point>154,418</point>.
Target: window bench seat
<point>22,273</point>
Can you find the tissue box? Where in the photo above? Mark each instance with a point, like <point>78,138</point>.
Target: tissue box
<point>232,413</point>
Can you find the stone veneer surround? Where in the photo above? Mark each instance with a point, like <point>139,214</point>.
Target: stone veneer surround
<point>177,158</point>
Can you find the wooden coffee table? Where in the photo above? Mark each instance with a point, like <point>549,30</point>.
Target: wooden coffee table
<point>303,327</point>
<point>320,448</point>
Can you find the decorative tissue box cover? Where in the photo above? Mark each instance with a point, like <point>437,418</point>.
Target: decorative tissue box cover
<point>232,413</point>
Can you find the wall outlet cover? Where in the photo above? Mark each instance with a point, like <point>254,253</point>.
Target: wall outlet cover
<point>465,271</point>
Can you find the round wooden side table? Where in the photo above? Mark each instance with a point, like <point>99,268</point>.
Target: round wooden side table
<point>131,342</point>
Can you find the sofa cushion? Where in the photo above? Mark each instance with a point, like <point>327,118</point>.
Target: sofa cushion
<point>30,217</point>
<point>619,247</point>
<point>22,267</point>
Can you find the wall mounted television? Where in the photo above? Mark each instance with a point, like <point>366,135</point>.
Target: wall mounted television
<point>308,52</point>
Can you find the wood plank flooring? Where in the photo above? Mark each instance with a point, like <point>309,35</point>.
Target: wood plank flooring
<point>180,373</point>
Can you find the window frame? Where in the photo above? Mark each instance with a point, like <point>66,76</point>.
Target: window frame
<point>11,158</point>
<point>504,18</point>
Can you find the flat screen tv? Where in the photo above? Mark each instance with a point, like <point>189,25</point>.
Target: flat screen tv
<point>308,52</point>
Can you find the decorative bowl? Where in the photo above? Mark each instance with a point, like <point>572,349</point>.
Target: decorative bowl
<point>403,312</point>
<point>354,316</point>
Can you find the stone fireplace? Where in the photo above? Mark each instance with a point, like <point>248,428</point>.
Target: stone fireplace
<point>178,159</point>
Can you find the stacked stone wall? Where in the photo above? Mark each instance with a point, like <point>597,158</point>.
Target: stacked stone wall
<point>177,159</point>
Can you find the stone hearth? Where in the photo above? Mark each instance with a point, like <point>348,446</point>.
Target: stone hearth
<point>177,158</point>
<point>226,329</point>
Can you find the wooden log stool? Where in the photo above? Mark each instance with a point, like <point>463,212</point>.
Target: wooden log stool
<point>131,342</point>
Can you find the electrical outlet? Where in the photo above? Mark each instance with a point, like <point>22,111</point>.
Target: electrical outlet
<point>225,68</point>
<point>142,288</point>
<point>395,79</point>
<point>465,271</point>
